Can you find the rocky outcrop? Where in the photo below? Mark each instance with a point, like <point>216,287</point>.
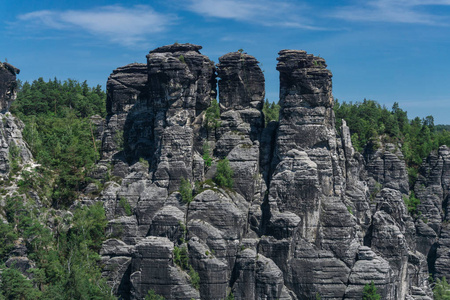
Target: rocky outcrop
<point>13,149</point>
<point>8,85</point>
<point>432,188</point>
<point>307,215</point>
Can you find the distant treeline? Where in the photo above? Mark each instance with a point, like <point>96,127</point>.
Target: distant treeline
<point>59,132</point>
<point>370,123</point>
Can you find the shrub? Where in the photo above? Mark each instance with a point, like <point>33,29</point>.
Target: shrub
<point>186,191</point>
<point>144,162</point>
<point>441,289</point>
<point>180,257</point>
<point>224,175</point>
<point>195,278</point>
<point>126,206</point>
<point>207,154</point>
<point>411,202</point>
<point>212,115</point>
<point>151,295</point>
<point>118,140</point>
<point>370,292</point>
<point>15,286</point>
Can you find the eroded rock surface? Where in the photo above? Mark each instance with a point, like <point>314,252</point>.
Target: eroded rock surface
<point>307,215</point>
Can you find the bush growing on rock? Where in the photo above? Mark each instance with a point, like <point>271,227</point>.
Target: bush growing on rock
<point>151,295</point>
<point>224,174</point>
<point>411,202</point>
<point>207,154</point>
<point>212,115</point>
<point>186,191</point>
<point>441,290</point>
<point>181,257</point>
<point>370,292</point>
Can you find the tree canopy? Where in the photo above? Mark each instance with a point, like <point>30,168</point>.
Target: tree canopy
<point>59,131</point>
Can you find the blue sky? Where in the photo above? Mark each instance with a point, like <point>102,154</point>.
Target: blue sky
<point>385,50</point>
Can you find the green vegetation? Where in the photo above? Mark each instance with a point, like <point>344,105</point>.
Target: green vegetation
<point>230,296</point>
<point>16,286</point>
<point>118,140</point>
<point>411,202</point>
<point>370,292</point>
<point>61,137</point>
<point>350,210</point>
<point>224,174</point>
<point>371,123</point>
<point>195,278</point>
<point>207,154</point>
<point>126,206</point>
<point>151,295</point>
<point>59,132</point>
<point>318,296</point>
<point>181,58</point>
<point>144,163</point>
<point>14,157</point>
<point>441,289</point>
<point>271,111</point>
<point>212,115</point>
<point>67,260</point>
<point>186,191</point>
<point>181,259</point>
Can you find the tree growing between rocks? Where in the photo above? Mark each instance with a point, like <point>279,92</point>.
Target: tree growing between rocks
<point>441,290</point>
<point>370,292</point>
<point>212,115</point>
<point>224,174</point>
<point>186,191</point>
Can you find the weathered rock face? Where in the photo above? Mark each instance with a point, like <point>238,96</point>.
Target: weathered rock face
<point>307,214</point>
<point>241,82</point>
<point>7,85</point>
<point>432,188</point>
<point>12,145</point>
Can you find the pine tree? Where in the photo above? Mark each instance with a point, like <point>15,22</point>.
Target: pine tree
<point>370,292</point>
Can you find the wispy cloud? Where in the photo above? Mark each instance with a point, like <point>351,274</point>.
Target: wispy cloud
<point>125,26</point>
<point>262,12</point>
<point>394,11</point>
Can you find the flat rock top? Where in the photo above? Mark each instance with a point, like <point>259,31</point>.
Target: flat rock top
<point>177,47</point>
<point>236,56</point>
<point>131,68</point>
<point>299,59</point>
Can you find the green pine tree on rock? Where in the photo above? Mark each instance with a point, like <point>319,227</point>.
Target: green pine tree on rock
<point>370,292</point>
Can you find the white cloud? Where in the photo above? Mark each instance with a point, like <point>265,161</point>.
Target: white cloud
<point>262,12</point>
<point>393,11</point>
<point>126,26</point>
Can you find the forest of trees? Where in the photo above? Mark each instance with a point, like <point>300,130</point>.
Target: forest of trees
<point>59,131</point>
<point>59,134</point>
<point>370,123</point>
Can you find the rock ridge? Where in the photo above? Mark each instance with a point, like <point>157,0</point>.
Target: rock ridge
<point>307,215</point>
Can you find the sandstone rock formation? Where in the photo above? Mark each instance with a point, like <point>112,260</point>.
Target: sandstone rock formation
<point>8,85</point>
<point>12,145</point>
<point>307,214</point>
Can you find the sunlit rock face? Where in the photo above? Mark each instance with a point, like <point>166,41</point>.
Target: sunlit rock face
<point>306,216</point>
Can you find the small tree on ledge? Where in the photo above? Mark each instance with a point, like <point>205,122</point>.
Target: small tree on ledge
<point>224,174</point>
<point>370,292</point>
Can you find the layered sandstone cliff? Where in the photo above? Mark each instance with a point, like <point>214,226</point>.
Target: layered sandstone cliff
<point>307,215</point>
